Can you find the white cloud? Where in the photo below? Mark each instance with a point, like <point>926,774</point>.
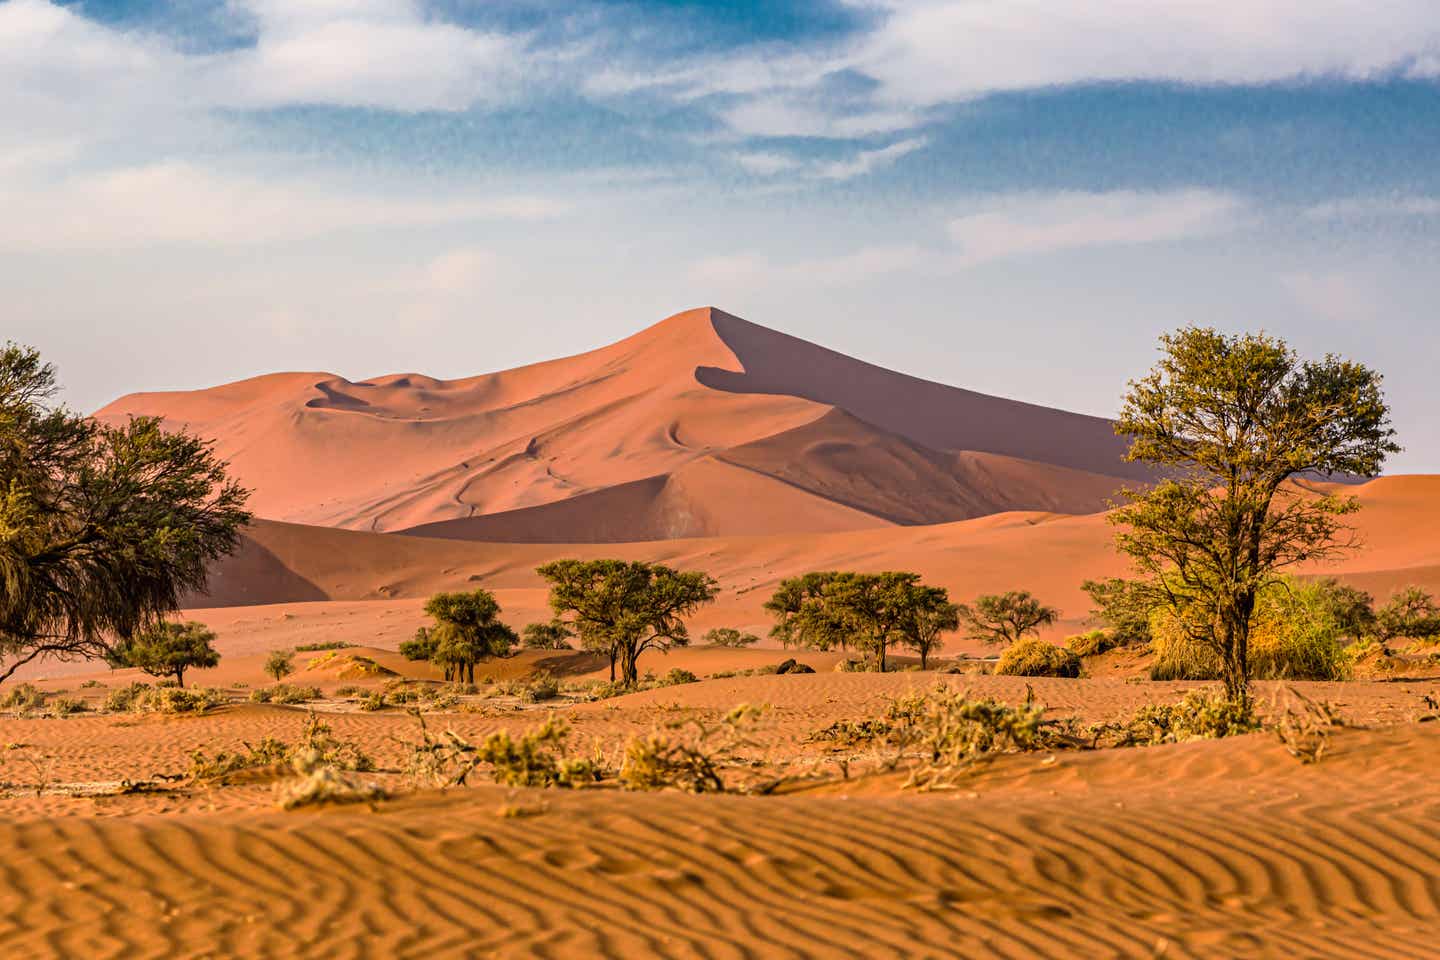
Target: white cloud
<point>929,51</point>
<point>1041,223</point>
<point>178,203</point>
<point>767,164</point>
<point>867,161</point>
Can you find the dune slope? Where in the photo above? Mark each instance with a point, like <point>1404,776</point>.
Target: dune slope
<point>632,433</point>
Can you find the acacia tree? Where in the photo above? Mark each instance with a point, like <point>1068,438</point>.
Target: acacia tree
<point>729,637</point>
<point>467,629</point>
<point>167,649</point>
<point>280,664</point>
<point>623,608</point>
<point>103,529</point>
<point>1410,614</point>
<point>803,618</point>
<point>927,616</point>
<point>1122,607</point>
<point>552,635</point>
<point>1003,618</point>
<point>1234,421</point>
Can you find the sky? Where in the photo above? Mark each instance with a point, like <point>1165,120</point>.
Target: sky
<point>1012,197</point>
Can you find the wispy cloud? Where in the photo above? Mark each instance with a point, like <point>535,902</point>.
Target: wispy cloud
<point>1044,223</point>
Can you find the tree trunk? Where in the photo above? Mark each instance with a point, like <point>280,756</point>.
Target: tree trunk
<point>924,659</point>
<point>613,652</point>
<point>882,656</point>
<point>179,676</point>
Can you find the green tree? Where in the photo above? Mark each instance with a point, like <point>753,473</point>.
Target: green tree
<point>802,618</point>
<point>103,529</point>
<point>1003,618</point>
<point>927,617</point>
<point>1232,421</point>
<point>167,649</point>
<point>1122,607</point>
<point>280,664</point>
<point>728,637</point>
<point>467,630</point>
<point>419,647</point>
<point>623,608</point>
<point>1410,614</point>
<point>1352,609</point>
<point>551,635</point>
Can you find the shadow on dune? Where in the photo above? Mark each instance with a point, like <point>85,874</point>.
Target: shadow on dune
<point>254,574</point>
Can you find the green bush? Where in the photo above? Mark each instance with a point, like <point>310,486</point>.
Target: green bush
<point>1091,644</point>
<point>1036,658</point>
<point>372,701</point>
<point>285,693</point>
<point>22,698</point>
<point>676,676</point>
<point>540,689</point>
<point>65,706</point>
<point>1199,715</point>
<point>1294,635</point>
<point>324,645</point>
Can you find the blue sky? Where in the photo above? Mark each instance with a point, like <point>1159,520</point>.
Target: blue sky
<point>961,189</point>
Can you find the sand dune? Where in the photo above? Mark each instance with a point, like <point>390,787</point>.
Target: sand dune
<point>645,436</point>
<point>1047,553</point>
<point>1219,848</point>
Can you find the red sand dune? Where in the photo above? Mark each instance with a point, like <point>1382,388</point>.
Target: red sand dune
<point>701,425</point>
<point>1050,554</point>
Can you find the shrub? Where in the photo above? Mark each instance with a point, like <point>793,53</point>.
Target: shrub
<point>1295,635</point>
<point>1091,644</point>
<point>553,635</point>
<point>1036,658</point>
<point>324,645</point>
<point>180,700</point>
<point>675,676</point>
<point>90,684</point>
<point>540,689</point>
<point>123,698</point>
<point>349,690</point>
<point>372,701</point>
<point>689,757</point>
<point>22,698</point>
<point>948,731</point>
<point>285,693</point>
<point>65,706</point>
<point>317,782</point>
<point>1199,715</point>
<point>535,759</point>
<point>1304,725</point>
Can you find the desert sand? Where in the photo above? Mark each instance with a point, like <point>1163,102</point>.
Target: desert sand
<point>705,442</point>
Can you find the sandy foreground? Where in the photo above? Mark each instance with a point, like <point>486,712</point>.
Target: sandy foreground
<point>1215,848</point>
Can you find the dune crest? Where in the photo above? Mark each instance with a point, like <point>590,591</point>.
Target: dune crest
<point>703,424</point>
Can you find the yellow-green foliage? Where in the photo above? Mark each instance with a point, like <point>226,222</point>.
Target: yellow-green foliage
<point>542,688</point>
<point>1199,715</point>
<point>22,698</point>
<point>1036,658</point>
<point>535,760</point>
<point>284,693</point>
<point>1091,644</point>
<point>948,731</point>
<point>65,706</point>
<point>689,755</point>
<point>1294,635</point>
<point>142,698</point>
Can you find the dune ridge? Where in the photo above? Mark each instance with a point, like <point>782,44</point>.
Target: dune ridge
<point>637,434</point>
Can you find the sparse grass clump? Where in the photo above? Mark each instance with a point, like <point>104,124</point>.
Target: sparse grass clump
<point>316,782</point>
<point>1199,715</point>
<point>374,700</point>
<point>536,759</point>
<point>948,731</point>
<point>285,693</point>
<point>143,698</point>
<point>349,690</point>
<point>1304,726</point>
<point>1036,658</point>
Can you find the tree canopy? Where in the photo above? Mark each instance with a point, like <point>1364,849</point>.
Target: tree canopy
<point>623,608</point>
<point>1232,421</point>
<point>870,611</point>
<point>729,637</point>
<point>467,629</point>
<point>103,529</point>
<point>1003,618</point>
<point>550,635</point>
<point>167,649</point>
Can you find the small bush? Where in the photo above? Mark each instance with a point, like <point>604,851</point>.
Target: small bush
<point>852,665</point>
<point>1304,725</point>
<point>284,693</point>
<point>90,684</point>
<point>324,645</point>
<point>22,698</point>
<point>540,689</point>
<point>143,698</point>
<point>317,782</point>
<point>374,700</point>
<point>1199,715</point>
<point>947,731</point>
<point>675,676</point>
<point>535,759</point>
<point>690,757</point>
<point>349,691</point>
<point>65,706</point>
<point>1036,658</point>
<point>123,698</point>
<point>1091,644</point>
